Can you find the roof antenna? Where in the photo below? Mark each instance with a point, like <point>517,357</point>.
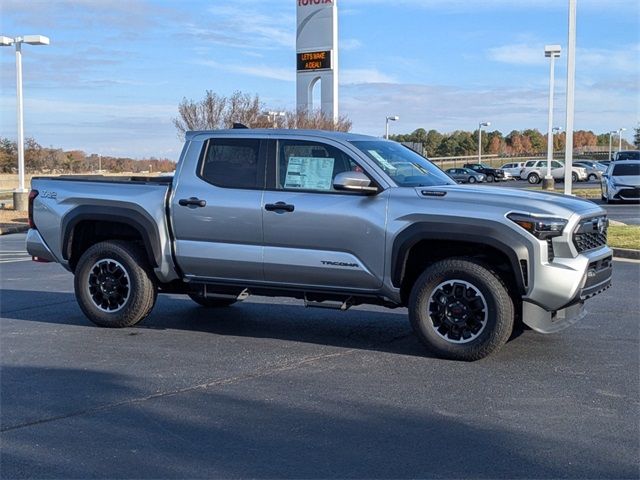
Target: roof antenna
<point>237,125</point>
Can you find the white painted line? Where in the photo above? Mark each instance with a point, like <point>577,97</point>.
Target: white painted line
<point>626,260</point>
<point>14,261</point>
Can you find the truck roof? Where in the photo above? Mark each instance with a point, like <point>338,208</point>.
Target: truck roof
<point>249,132</point>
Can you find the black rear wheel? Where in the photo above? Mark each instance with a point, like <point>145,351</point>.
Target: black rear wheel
<point>114,284</point>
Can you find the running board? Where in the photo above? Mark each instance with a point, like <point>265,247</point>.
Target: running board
<point>332,304</point>
<point>238,297</point>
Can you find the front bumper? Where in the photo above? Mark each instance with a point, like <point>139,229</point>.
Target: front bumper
<point>624,192</point>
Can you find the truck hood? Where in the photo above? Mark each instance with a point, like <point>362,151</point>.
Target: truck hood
<point>475,199</point>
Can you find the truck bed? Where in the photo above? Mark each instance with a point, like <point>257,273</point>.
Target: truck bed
<point>65,202</point>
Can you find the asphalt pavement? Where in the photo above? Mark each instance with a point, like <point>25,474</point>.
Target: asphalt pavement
<point>269,389</point>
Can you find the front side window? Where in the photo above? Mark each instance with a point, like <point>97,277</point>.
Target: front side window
<point>405,167</point>
<point>311,166</point>
<point>556,165</point>
<point>231,163</point>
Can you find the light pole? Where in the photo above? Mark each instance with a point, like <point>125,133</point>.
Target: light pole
<point>480,125</point>
<point>571,84</point>
<point>611,133</point>
<point>620,130</point>
<point>394,118</point>
<point>20,195</point>
<point>552,52</point>
<point>273,117</point>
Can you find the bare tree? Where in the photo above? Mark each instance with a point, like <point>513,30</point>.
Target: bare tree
<point>215,111</point>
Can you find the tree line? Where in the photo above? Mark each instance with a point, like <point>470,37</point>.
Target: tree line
<point>39,159</point>
<point>517,142</point>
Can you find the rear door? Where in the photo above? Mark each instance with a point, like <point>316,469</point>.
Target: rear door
<point>216,210</point>
<point>313,234</point>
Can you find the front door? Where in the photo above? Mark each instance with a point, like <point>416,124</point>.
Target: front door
<point>216,211</point>
<point>314,235</point>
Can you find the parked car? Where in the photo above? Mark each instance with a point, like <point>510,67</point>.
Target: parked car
<point>537,170</point>
<point>621,181</point>
<point>333,219</point>
<point>626,155</point>
<point>594,169</point>
<point>513,168</point>
<point>492,174</point>
<point>465,175</point>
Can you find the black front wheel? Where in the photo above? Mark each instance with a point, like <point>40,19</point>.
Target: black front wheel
<point>472,179</point>
<point>461,310</point>
<point>114,284</point>
<point>490,178</point>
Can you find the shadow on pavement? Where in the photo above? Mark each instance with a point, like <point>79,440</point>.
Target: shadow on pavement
<point>356,328</point>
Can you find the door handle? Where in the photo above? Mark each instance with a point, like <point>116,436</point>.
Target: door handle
<point>279,207</point>
<point>192,202</point>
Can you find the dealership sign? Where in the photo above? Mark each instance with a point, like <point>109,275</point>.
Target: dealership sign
<point>317,55</point>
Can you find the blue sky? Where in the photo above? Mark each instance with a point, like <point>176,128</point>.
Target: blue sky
<point>115,71</point>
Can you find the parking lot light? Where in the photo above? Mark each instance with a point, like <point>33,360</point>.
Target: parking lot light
<point>480,125</point>
<point>620,130</point>
<point>571,84</point>
<point>552,52</point>
<point>611,133</point>
<point>393,118</point>
<point>19,198</point>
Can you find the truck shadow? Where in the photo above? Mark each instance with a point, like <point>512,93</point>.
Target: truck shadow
<point>364,327</point>
<point>359,328</point>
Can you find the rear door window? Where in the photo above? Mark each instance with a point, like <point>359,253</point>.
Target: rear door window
<point>232,163</point>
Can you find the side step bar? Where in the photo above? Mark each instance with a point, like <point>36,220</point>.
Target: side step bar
<point>333,304</point>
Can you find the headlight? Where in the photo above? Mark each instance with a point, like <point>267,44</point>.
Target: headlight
<point>541,227</point>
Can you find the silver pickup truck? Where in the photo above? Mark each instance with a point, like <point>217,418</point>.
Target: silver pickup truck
<point>334,219</point>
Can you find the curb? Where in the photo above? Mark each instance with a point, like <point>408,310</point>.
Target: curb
<point>626,253</point>
<point>14,229</point>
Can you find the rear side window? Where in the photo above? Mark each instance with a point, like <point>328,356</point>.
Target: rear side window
<point>232,163</point>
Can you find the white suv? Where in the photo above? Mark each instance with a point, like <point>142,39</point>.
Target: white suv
<point>535,170</point>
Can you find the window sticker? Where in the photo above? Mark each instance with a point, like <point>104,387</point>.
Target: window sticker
<point>383,163</point>
<point>309,173</point>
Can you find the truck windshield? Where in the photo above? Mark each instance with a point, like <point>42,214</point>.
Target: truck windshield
<point>627,170</point>
<point>403,165</point>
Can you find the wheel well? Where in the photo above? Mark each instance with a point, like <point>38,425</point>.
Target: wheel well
<point>428,251</point>
<point>89,232</point>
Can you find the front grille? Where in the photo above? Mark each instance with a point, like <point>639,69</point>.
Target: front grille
<point>591,234</point>
<point>629,193</point>
<point>550,254</point>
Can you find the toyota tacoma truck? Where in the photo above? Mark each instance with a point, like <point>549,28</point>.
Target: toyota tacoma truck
<point>333,219</point>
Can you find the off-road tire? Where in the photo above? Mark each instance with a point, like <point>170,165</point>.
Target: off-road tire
<point>142,288</point>
<point>211,302</point>
<point>533,178</point>
<point>500,310</point>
